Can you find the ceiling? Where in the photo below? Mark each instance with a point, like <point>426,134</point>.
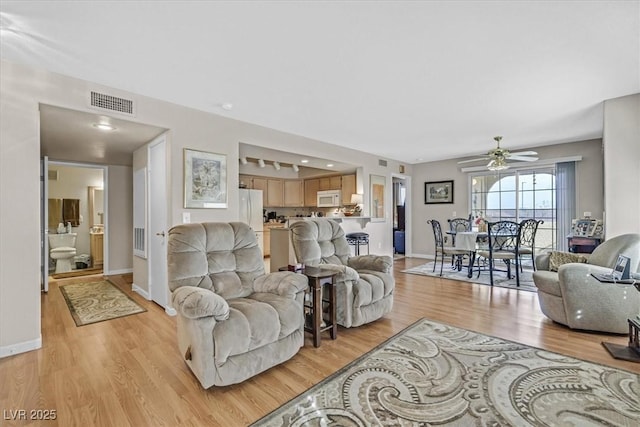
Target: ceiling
<point>406,80</point>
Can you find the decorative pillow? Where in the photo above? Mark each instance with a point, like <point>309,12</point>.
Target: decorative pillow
<point>556,259</point>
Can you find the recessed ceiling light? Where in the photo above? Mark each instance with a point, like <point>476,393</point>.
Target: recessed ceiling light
<point>104,126</point>
<point>329,165</point>
<point>304,161</point>
<point>227,106</point>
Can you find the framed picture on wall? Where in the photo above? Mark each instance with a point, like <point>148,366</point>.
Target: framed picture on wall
<point>437,192</point>
<point>205,179</point>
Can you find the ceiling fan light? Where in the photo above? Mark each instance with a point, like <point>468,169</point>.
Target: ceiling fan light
<point>497,164</point>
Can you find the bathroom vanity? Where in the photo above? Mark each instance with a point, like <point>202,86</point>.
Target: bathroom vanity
<point>96,242</point>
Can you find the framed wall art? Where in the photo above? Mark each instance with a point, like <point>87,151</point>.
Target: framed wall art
<point>376,208</point>
<point>205,179</point>
<point>438,192</point>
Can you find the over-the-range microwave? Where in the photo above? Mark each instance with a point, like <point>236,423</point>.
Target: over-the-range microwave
<point>329,198</point>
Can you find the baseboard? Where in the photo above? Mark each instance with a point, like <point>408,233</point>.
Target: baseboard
<point>114,272</point>
<point>171,311</point>
<point>23,347</point>
<point>137,289</point>
<point>422,256</point>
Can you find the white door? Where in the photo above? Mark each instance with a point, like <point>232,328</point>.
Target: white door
<point>44,223</point>
<point>157,262</point>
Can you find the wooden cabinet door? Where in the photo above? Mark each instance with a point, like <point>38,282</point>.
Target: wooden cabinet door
<point>275,193</point>
<point>335,182</point>
<point>311,187</point>
<point>294,192</point>
<point>245,180</point>
<point>258,183</point>
<point>325,183</point>
<point>348,188</point>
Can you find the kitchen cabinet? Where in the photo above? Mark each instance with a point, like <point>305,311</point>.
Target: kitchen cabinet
<point>348,188</point>
<point>311,188</point>
<point>330,183</point>
<point>268,228</point>
<point>258,183</point>
<point>294,193</point>
<point>275,193</point>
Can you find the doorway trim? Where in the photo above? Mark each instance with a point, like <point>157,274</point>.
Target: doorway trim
<point>407,213</point>
<point>105,177</point>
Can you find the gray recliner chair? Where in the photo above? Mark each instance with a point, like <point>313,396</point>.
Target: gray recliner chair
<point>234,321</point>
<point>572,297</point>
<point>364,284</point>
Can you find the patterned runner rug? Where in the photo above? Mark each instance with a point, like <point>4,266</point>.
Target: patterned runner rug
<point>97,301</point>
<point>499,278</point>
<point>434,374</point>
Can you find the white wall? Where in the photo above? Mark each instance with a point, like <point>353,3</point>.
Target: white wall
<point>622,164</point>
<point>23,88</point>
<point>589,191</point>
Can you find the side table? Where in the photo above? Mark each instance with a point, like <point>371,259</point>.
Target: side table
<point>319,278</point>
<point>629,352</point>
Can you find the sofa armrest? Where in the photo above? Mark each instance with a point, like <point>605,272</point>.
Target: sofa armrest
<point>542,261</point>
<point>381,263</point>
<point>283,283</point>
<point>194,303</point>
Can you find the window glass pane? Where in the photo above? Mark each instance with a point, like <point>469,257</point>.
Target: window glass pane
<point>516,195</point>
<point>508,200</point>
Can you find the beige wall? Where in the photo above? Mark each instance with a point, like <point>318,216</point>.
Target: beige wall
<point>23,88</point>
<point>622,165</point>
<point>589,195</point>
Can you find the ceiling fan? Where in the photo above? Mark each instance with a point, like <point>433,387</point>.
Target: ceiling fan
<point>498,157</point>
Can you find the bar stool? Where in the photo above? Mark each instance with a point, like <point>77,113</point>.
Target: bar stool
<point>357,239</point>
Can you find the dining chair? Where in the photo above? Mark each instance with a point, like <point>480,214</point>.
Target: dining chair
<point>526,247</point>
<point>458,224</point>
<point>504,240</point>
<point>442,250</point>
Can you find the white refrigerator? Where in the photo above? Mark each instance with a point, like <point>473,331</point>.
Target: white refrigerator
<point>251,212</point>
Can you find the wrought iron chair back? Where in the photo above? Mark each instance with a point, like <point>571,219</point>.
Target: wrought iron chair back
<point>504,239</point>
<point>459,224</point>
<point>441,250</point>
<point>528,230</point>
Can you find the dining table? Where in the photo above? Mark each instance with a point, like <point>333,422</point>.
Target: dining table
<point>468,241</point>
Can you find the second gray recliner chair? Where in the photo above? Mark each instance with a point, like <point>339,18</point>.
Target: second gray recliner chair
<point>364,284</point>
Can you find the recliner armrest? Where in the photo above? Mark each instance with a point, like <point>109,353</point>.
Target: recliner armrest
<point>343,272</point>
<point>381,263</point>
<point>194,303</point>
<point>283,283</point>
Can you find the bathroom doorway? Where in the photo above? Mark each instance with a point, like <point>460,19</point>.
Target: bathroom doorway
<point>75,216</point>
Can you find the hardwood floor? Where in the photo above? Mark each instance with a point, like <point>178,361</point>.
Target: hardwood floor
<point>128,371</point>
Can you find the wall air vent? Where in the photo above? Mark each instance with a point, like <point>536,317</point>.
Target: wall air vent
<point>112,103</point>
<point>53,175</point>
<point>382,163</point>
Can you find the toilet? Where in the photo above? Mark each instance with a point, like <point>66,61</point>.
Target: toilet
<point>62,250</point>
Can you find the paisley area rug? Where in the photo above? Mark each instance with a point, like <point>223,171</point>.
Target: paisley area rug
<point>97,301</point>
<point>434,374</point>
<point>499,277</point>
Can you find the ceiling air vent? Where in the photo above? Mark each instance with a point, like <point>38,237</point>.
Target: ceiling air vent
<point>382,163</point>
<point>112,103</point>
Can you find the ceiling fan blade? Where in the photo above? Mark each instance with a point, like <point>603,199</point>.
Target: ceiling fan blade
<point>523,158</point>
<point>473,160</point>
<point>524,153</point>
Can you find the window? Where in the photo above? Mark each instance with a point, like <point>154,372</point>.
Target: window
<point>516,195</point>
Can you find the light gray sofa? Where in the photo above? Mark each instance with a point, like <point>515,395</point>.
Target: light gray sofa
<point>364,284</point>
<point>572,297</point>
<point>234,321</point>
